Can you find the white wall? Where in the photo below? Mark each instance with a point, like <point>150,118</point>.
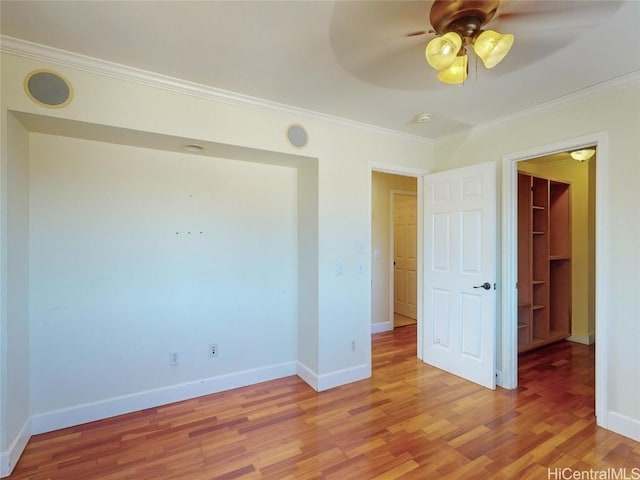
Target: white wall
<point>14,299</point>
<point>381,186</point>
<point>125,201</point>
<point>307,343</point>
<point>617,112</point>
<point>118,282</point>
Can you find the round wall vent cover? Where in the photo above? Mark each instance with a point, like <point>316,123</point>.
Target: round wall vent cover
<point>297,136</point>
<point>48,88</point>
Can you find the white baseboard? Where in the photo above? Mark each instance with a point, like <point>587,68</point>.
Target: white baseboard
<point>584,339</point>
<point>49,421</point>
<point>308,375</point>
<point>626,426</point>
<point>381,327</point>
<point>9,458</point>
<point>342,377</point>
<point>333,379</point>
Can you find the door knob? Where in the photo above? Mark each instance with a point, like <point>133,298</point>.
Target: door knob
<point>485,285</point>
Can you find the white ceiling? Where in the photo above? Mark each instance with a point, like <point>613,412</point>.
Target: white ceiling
<point>349,59</point>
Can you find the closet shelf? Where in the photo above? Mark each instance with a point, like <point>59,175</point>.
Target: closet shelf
<point>544,274</point>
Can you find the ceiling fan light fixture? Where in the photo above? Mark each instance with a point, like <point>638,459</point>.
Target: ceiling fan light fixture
<point>442,51</point>
<point>456,74</point>
<point>492,47</point>
<point>583,155</point>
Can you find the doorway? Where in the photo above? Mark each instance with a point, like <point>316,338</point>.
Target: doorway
<point>556,250</point>
<point>461,309</point>
<point>599,198</point>
<point>394,244</point>
<point>379,288</point>
<point>556,271</point>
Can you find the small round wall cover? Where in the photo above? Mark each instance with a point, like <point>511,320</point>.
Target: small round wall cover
<point>47,88</point>
<point>297,135</point>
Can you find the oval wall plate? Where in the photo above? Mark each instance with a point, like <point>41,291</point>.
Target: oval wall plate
<point>48,88</point>
<point>297,135</point>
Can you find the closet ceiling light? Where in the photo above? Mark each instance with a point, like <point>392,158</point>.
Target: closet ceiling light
<point>582,155</point>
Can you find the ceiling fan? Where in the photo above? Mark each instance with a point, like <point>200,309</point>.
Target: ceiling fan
<point>459,26</point>
<point>373,42</point>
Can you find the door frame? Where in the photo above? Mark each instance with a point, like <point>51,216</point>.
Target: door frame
<point>392,245</point>
<point>508,377</point>
<point>418,173</point>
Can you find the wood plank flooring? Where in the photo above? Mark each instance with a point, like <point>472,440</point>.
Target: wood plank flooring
<point>402,321</point>
<point>409,421</point>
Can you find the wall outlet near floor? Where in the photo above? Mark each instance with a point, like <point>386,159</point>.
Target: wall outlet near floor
<point>213,349</point>
<point>174,359</point>
<point>353,345</point>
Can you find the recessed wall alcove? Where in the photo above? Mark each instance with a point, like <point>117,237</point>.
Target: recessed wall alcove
<point>125,248</point>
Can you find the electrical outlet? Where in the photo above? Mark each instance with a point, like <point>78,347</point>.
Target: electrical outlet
<point>174,359</point>
<point>213,349</point>
<point>353,345</point>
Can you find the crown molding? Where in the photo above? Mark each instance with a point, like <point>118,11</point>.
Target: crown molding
<point>564,100</point>
<point>64,58</point>
<point>39,52</point>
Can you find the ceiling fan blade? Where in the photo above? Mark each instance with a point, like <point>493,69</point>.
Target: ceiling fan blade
<point>512,8</point>
<point>416,34</point>
<point>526,15</point>
<point>382,43</point>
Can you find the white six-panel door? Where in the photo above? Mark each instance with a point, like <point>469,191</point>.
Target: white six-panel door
<point>459,259</point>
<point>405,256</point>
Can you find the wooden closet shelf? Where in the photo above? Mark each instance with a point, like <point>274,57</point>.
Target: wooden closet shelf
<point>544,266</point>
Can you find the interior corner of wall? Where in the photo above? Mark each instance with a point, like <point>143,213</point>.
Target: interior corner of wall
<point>4,464</point>
<point>584,338</point>
<point>9,458</point>
<point>309,376</point>
<point>380,327</point>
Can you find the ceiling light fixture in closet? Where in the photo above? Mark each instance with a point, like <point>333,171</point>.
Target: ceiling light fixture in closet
<point>583,155</point>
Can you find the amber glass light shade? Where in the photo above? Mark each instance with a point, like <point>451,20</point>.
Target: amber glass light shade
<point>492,47</point>
<point>456,73</point>
<point>441,52</point>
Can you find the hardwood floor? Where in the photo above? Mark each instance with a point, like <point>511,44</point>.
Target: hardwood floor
<point>408,421</point>
<point>402,321</point>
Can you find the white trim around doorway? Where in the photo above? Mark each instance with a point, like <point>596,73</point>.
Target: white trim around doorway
<point>407,172</point>
<point>509,360</point>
